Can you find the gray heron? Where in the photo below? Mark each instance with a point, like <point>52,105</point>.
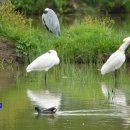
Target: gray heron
<point>50,20</point>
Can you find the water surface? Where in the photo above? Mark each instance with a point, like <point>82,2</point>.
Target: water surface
<point>84,99</point>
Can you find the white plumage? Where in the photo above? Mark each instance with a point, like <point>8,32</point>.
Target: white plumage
<point>45,99</point>
<point>44,62</point>
<point>116,60</point>
<point>115,96</point>
<point>51,21</point>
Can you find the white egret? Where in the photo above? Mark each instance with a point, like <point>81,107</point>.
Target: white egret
<point>116,60</point>
<point>51,21</point>
<point>44,62</point>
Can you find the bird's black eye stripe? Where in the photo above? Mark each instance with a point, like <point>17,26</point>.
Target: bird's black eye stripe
<point>45,12</point>
<point>49,52</point>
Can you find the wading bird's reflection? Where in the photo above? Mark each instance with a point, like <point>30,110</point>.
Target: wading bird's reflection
<point>118,102</point>
<point>114,95</point>
<point>45,99</point>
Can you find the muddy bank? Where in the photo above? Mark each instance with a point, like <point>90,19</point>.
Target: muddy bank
<point>8,53</point>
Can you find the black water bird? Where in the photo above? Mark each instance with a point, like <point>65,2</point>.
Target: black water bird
<point>51,110</point>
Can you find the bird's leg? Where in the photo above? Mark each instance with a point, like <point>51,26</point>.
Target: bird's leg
<point>45,79</point>
<point>115,74</point>
<point>113,94</point>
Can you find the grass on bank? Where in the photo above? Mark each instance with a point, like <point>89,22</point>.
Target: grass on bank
<point>83,42</point>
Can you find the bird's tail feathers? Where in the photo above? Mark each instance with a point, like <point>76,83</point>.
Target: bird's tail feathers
<point>28,69</point>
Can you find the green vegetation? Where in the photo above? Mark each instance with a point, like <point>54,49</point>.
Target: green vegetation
<point>110,6</point>
<point>37,6</point>
<point>84,42</point>
<point>63,6</point>
<point>16,27</point>
<point>29,6</point>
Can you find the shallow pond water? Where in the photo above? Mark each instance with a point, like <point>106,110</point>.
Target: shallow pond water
<point>84,99</point>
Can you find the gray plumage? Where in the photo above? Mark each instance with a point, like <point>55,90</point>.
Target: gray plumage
<point>51,21</point>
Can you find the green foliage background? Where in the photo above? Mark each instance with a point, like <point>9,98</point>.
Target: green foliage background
<point>82,42</point>
<point>37,6</point>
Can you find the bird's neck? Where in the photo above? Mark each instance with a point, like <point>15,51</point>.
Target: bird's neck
<point>124,46</point>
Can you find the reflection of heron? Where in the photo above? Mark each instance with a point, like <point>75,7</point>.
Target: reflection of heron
<point>51,21</point>
<point>116,60</point>
<point>45,99</point>
<point>44,62</point>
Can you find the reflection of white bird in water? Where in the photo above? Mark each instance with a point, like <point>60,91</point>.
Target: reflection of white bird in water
<point>45,99</point>
<point>118,102</point>
<point>116,60</point>
<point>115,96</point>
<point>107,92</point>
<point>51,21</point>
<point>44,62</point>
